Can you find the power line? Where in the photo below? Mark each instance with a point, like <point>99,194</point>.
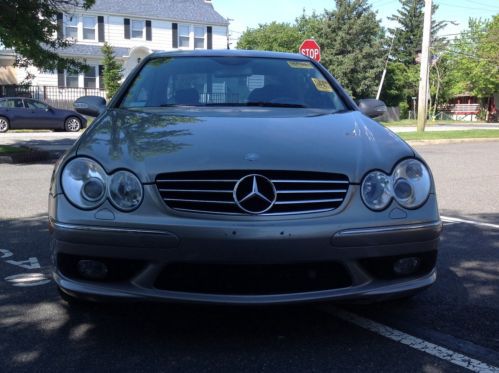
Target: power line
<point>471,56</point>
<point>479,3</point>
<point>382,3</point>
<point>465,7</point>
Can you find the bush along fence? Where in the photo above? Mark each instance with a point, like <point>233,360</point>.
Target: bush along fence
<point>58,97</point>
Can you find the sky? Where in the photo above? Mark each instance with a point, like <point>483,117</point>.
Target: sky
<point>246,14</point>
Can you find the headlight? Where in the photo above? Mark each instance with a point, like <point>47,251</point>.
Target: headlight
<point>125,191</point>
<point>412,183</point>
<point>84,183</point>
<point>409,184</point>
<point>376,190</point>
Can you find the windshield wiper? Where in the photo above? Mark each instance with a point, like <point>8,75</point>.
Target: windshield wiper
<point>273,104</point>
<point>175,105</point>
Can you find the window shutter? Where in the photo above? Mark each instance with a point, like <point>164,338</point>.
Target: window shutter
<point>101,77</point>
<point>127,28</point>
<point>174,35</point>
<point>209,31</point>
<point>100,28</point>
<point>148,30</point>
<point>60,26</point>
<point>60,77</point>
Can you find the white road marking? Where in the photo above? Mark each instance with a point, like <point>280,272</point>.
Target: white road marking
<point>416,343</point>
<point>30,263</point>
<point>27,279</point>
<point>448,219</point>
<point>5,253</point>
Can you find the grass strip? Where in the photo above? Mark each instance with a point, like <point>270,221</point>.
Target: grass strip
<point>444,135</point>
<point>7,149</point>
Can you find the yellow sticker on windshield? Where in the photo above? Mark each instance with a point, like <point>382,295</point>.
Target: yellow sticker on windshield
<point>300,64</point>
<point>322,85</point>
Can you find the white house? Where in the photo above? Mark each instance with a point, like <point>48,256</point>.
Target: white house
<point>133,28</point>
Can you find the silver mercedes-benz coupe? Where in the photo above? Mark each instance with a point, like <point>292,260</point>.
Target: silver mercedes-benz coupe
<point>240,177</point>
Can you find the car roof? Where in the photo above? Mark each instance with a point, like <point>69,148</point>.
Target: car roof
<point>230,53</point>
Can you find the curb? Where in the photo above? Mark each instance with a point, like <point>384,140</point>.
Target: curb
<point>450,141</point>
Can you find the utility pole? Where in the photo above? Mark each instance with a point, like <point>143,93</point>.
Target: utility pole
<point>386,65</point>
<point>423,75</point>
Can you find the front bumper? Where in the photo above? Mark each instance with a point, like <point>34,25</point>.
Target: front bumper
<point>353,247</point>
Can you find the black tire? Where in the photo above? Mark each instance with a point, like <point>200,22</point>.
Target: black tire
<point>4,125</point>
<point>72,124</point>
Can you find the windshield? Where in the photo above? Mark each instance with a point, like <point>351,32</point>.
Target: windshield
<point>231,81</point>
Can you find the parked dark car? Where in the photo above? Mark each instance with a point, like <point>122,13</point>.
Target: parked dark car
<point>27,113</point>
<point>240,177</point>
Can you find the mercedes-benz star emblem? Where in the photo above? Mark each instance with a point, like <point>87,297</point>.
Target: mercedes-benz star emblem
<point>255,194</point>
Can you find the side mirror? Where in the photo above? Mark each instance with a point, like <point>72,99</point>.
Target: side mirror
<point>92,106</point>
<point>371,107</point>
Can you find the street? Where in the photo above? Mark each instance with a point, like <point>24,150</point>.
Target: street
<point>452,326</point>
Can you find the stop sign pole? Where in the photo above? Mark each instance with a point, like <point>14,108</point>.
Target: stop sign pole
<point>311,49</point>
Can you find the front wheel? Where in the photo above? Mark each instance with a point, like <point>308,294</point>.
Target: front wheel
<point>4,125</point>
<point>72,124</point>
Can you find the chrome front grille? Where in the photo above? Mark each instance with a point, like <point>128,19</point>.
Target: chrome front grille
<point>297,192</point>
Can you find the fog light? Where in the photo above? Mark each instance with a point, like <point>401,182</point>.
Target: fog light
<point>92,269</point>
<point>406,266</point>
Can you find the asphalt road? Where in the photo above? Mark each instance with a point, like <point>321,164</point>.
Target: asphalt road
<point>451,326</point>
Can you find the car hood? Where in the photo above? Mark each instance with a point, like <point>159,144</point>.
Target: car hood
<point>149,143</point>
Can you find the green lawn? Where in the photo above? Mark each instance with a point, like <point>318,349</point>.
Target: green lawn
<point>7,149</point>
<point>438,135</point>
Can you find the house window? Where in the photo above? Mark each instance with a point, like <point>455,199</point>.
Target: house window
<point>71,30</point>
<point>90,77</point>
<point>183,36</point>
<point>71,79</point>
<point>89,26</point>
<point>198,37</point>
<point>137,29</point>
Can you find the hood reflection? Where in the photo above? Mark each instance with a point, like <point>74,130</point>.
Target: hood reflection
<point>138,135</point>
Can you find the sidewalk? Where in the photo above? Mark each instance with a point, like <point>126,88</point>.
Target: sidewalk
<point>447,127</point>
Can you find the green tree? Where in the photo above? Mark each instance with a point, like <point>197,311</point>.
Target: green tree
<point>310,26</point>
<point>489,45</point>
<point>29,27</point>
<point>278,37</point>
<point>351,41</point>
<point>401,83</point>
<point>474,60</point>
<point>408,34</point>
<point>402,78</point>
<point>112,73</point>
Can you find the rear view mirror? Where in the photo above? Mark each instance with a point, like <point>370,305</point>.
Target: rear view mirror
<point>92,106</point>
<point>371,107</point>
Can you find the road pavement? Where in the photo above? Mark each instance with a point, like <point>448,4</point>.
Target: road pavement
<point>451,327</point>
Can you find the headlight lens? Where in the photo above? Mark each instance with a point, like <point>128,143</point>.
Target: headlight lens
<point>84,183</point>
<point>412,183</point>
<point>125,190</point>
<point>376,190</point>
<point>409,184</point>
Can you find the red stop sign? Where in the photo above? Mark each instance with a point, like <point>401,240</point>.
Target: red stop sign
<point>311,49</point>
